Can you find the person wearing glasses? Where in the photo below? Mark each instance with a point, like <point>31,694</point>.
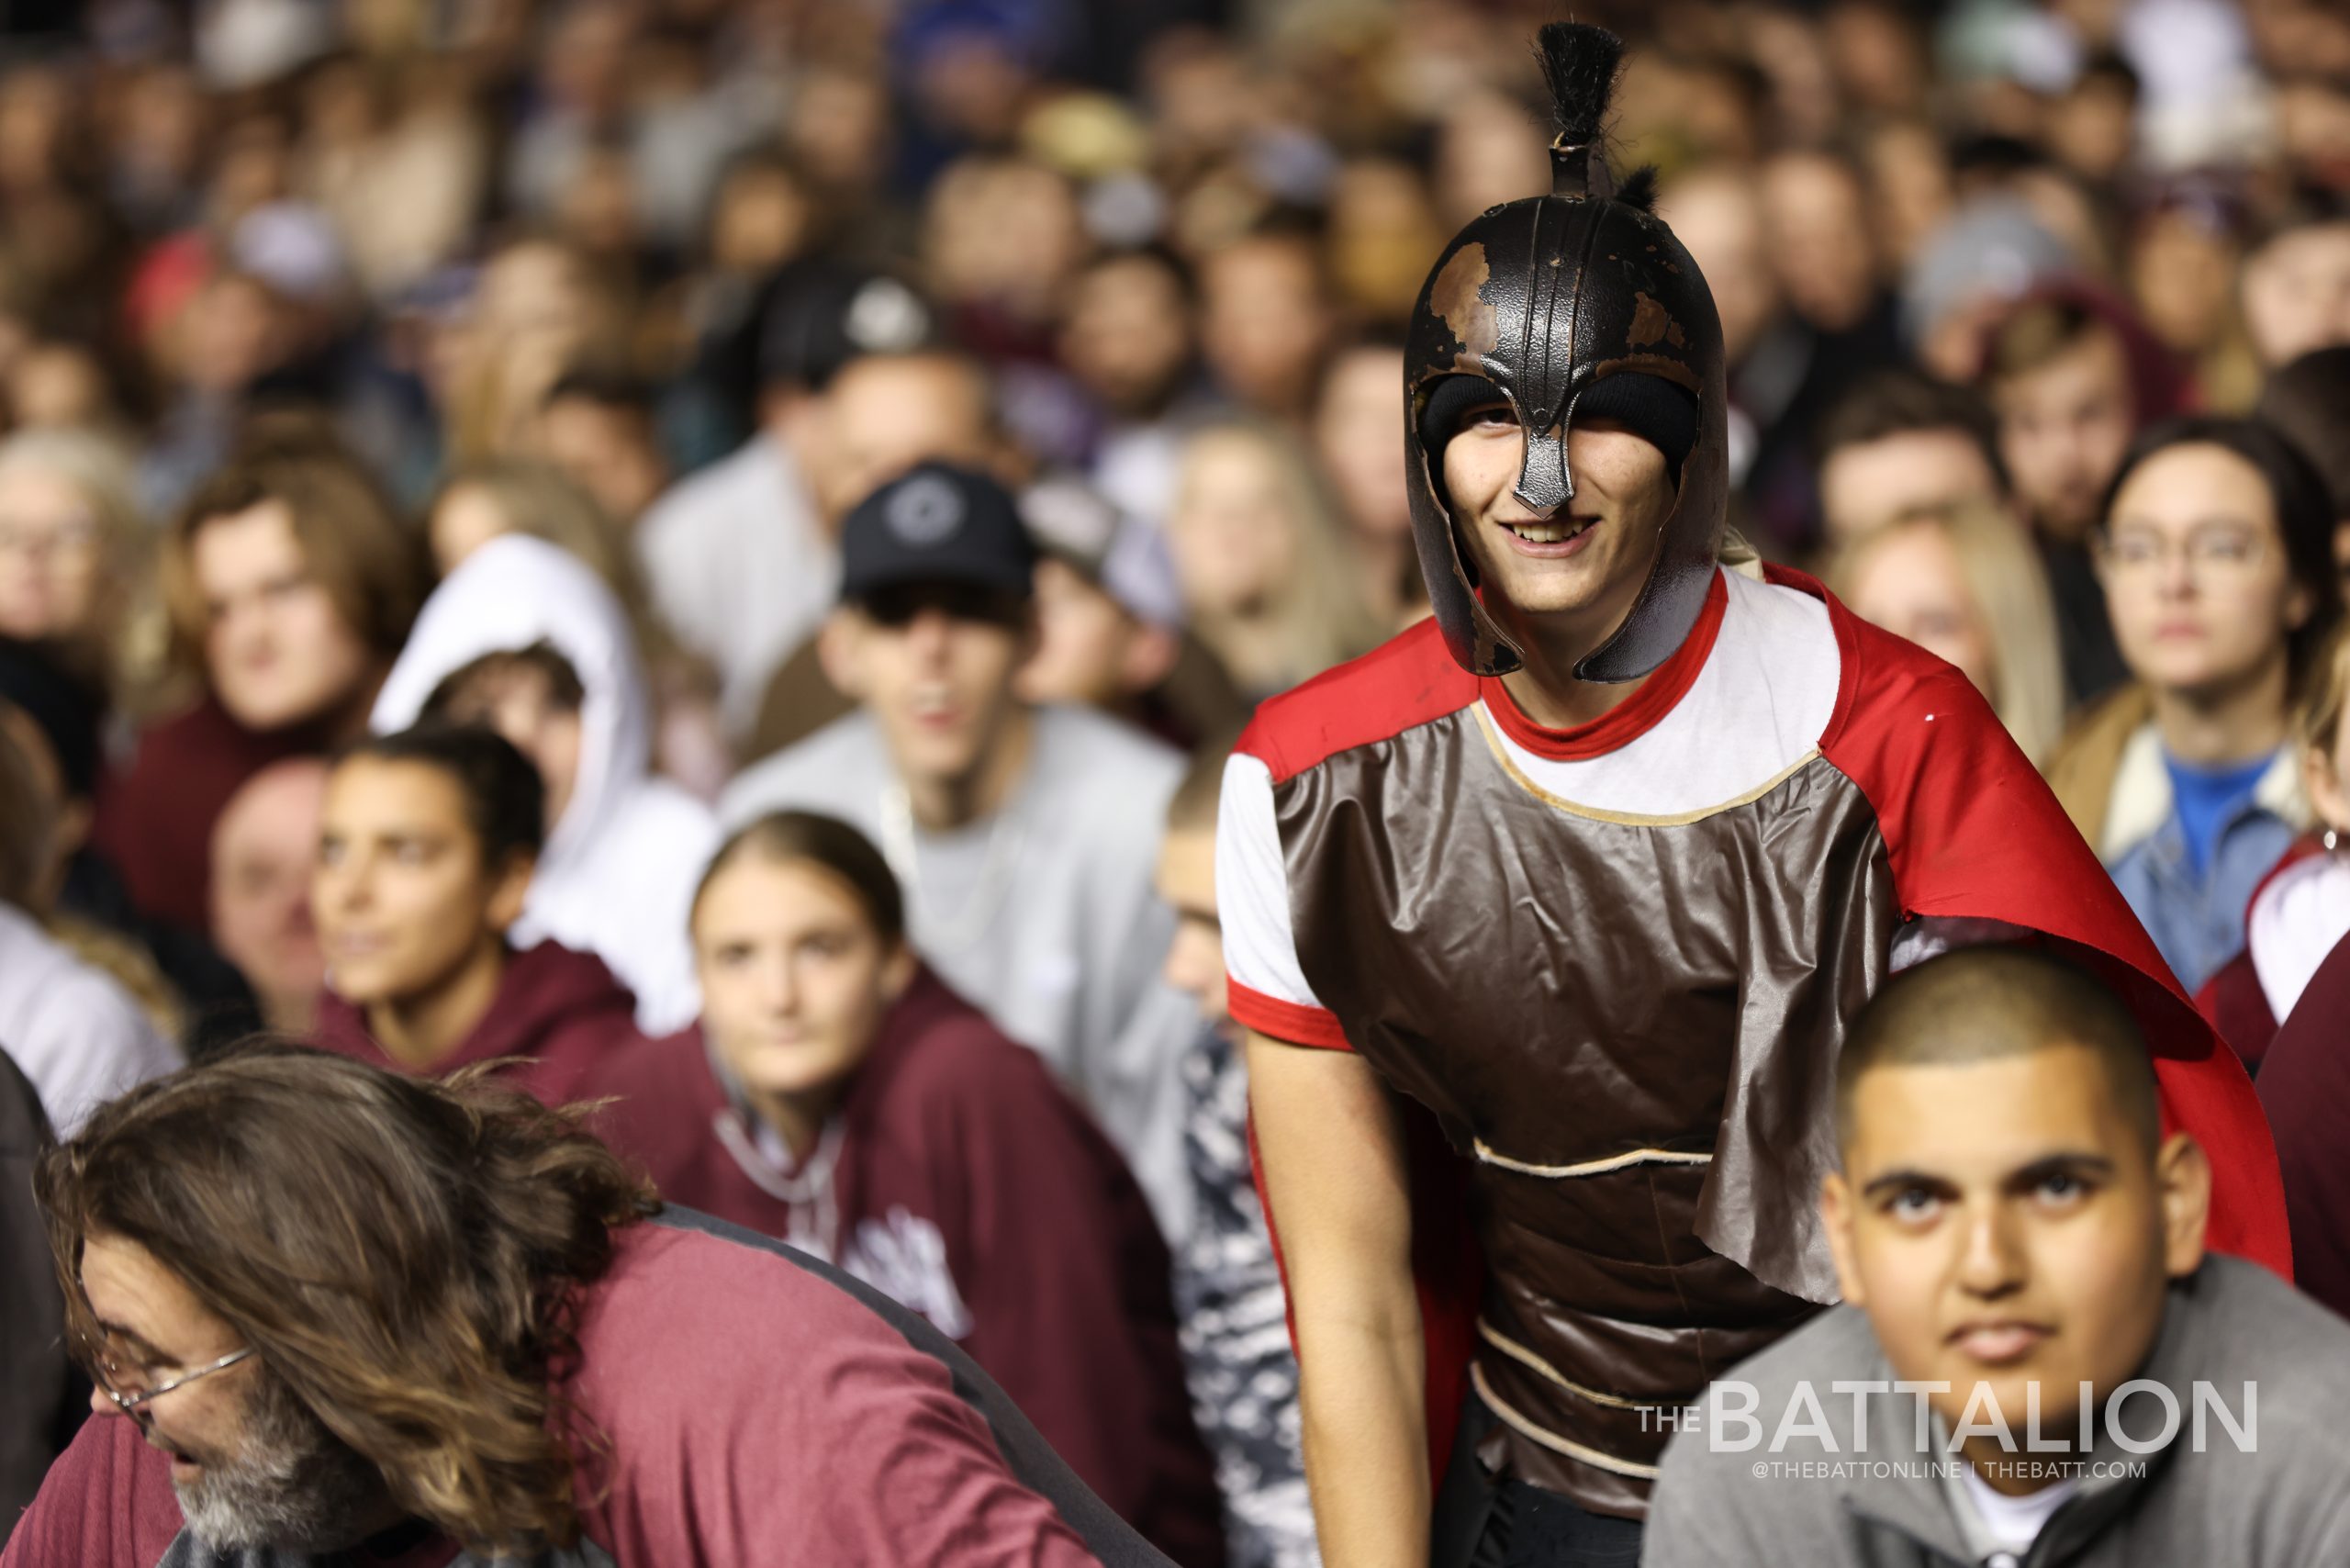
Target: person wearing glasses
<point>352,1316</point>
<point>2214,553</point>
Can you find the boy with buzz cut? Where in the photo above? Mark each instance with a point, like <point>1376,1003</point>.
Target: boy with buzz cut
<point>2036,1361</point>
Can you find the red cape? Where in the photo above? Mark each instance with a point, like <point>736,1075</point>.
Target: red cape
<point>1972,833</point>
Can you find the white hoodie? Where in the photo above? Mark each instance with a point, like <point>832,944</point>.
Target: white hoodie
<point>2297,918</point>
<point>617,877</point>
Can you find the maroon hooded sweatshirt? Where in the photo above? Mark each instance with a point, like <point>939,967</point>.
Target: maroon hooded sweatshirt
<point>2233,999</point>
<point>2305,1084</point>
<point>154,818</point>
<point>968,1187</point>
<point>560,1009</point>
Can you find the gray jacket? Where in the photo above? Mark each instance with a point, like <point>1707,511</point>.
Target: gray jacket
<point>1815,1500</point>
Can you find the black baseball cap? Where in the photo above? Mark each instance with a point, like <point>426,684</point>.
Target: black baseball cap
<point>816,315</point>
<point>937,526</point>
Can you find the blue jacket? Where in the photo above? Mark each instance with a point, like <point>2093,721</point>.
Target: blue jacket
<point>2197,922</point>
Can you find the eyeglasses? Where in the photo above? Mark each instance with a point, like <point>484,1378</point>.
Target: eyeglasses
<point>2209,552</point>
<point>42,540</point>
<point>112,1380</point>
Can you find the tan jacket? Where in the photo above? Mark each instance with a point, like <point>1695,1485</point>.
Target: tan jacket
<point>2088,760</point>
<point>2107,775</point>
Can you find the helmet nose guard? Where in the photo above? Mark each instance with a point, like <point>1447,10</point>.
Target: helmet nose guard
<point>1543,482</point>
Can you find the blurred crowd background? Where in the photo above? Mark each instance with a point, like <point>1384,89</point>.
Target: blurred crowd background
<point>538,265</point>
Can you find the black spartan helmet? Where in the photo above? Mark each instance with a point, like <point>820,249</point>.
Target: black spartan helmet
<point>1578,301</point>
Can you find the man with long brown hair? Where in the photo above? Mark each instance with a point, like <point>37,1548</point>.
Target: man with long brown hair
<point>356,1316</point>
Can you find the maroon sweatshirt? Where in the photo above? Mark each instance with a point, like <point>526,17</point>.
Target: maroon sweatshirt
<point>561,1009</point>
<point>968,1186</point>
<point>760,1411</point>
<point>154,818</point>
<point>2233,999</point>
<point>2305,1084</point>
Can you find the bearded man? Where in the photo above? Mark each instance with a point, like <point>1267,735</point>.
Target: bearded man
<point>345,1316</point>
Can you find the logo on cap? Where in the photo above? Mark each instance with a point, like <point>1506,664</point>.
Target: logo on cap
<point>885,316</point>
<point>925,511</point>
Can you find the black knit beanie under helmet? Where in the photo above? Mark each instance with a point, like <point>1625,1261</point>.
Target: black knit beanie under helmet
<point>1661,412</point>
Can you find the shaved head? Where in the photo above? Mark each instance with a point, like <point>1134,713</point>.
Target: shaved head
<point>1984,1003</point>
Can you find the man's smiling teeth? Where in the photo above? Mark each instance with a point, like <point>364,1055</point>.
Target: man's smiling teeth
<point>1549,532</point>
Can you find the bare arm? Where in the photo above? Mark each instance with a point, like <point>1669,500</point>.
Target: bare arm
<point>1336,1174</point>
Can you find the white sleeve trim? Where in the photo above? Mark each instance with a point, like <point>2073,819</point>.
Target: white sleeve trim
<point>1252,886</point>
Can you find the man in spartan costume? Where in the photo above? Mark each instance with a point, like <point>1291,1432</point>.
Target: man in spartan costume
<point>1546,919</point>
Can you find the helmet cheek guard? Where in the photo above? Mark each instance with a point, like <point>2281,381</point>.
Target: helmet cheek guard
<point>1548,299</point>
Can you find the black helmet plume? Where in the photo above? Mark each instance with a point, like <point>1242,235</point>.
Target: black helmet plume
<point>1579,65</point>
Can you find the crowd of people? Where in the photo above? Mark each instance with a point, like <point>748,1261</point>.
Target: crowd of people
<point>961,628</point>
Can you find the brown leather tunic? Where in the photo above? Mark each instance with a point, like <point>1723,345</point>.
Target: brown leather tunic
<point>1627,1023</point>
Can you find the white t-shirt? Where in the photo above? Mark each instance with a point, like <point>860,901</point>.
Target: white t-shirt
<point>78,1035</point>
<point>2297,920</point>
<point>2005,1524</point>
<point>1754,713</point>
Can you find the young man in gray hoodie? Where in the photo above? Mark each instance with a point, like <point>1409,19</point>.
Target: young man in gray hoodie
<point>2036,1361</point>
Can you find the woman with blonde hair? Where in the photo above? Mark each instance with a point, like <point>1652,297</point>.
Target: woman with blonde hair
<point>479,501</point>
<point>1258,554</point>
<point>1964,582</point>
<point>541,307</point>
<point>72,559</point>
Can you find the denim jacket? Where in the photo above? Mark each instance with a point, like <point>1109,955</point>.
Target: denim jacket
<point>2198,922</point>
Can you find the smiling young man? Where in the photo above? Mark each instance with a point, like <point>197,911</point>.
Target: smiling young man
<point>1589,876</point>
<point>2018,1243</point>
<point>426,851</point>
